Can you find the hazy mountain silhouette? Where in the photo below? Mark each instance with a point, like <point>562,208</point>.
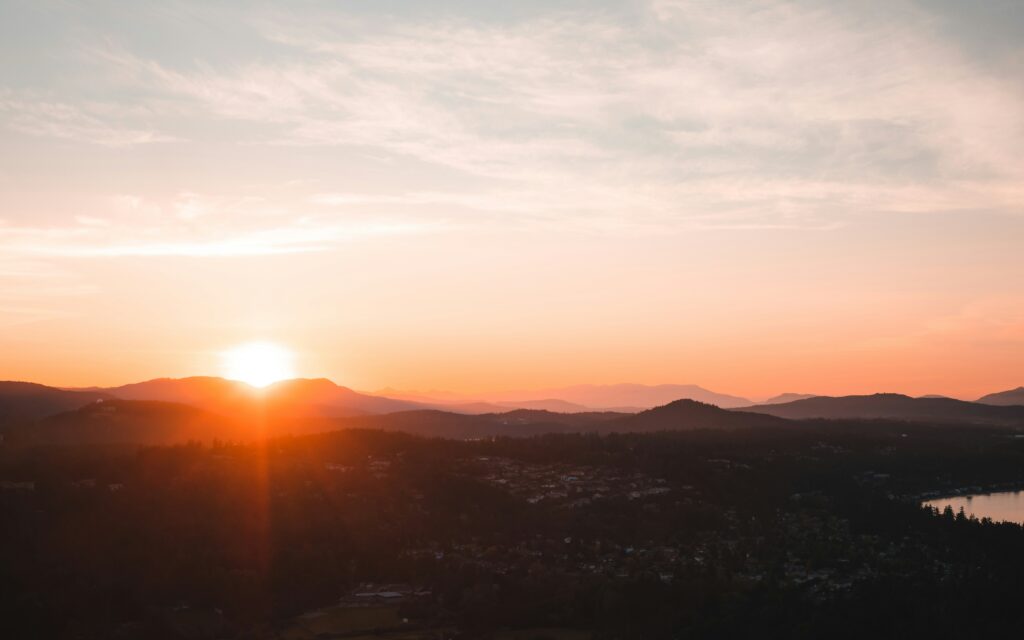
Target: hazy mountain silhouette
<point>676,416</point>
<point>153,422</point>
<point>541,416</point>
<point>607,396</point>
<point>27,401</point>
<point>549,404</point>
<point>203,408</point>
<point>894,406</point>
<point>158,422</point>
<point>199,391</point>
<point>469,408</point>
<point>518,423</point>
<point>629,398</point>
<point>1004,398</point>
<point>786,397</point>
<point>317,396</point>
<point>130,422</point>
<point>685,415</point>
<point>337,400</point>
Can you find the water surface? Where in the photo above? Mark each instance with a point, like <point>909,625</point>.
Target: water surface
<point>1003,506</point>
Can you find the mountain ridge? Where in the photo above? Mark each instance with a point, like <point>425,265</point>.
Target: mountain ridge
<point>1004,398</point>
<point>619,396</point>
<point>28,401</point>
<point>894,406</point>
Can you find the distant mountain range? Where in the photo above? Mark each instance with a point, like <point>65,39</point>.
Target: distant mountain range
<point>154,422</point>
<point>308,396</point>
<point>624,397</point>
<point>894,406</point>
<point>173,410</point>
<point>786,397</point>
<point>686,415</point>
<point>600,396</point>
<point>548,404</point>
<point>1004,398</point>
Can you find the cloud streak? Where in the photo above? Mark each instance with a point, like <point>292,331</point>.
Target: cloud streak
<point>66,121</point>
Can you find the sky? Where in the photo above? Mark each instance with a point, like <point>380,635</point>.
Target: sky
<point>757,197</point>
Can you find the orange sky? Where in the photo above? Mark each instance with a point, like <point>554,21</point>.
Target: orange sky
<point>480,199</point>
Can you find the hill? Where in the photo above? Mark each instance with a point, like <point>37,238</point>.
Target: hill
<point>517,423</point>
<point>787,397</point>
<point>681,415</point>
<point>549,404</point>
<point>1004,398</point>
<point>608,396</point>
<point>157,422</point>
<point>687,415</point>
<point>173,410</point>
<point>26,401</point>
<point>128,422</point>
<point>626,397</point>
<point>894,406</point>
<point>302,396</point>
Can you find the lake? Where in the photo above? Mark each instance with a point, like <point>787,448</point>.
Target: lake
<point>1006,505</point>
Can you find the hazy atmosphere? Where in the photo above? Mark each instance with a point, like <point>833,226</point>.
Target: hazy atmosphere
<point>470,320</point>
<point>757,197</point>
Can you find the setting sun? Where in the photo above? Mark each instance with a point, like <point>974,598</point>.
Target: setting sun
<point>258,363</point>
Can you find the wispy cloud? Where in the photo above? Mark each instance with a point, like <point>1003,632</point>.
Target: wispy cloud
<point>57,119</point>
<point>684,118</point>
<point>176,235</point>
<point>807,118</point>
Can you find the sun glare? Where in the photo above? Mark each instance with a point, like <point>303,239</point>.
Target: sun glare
<point>258,363</point>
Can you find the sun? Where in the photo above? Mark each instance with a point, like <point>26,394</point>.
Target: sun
<point>258,363</point>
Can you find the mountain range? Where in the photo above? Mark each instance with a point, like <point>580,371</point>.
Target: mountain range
<point>1004,398</point>
<point>201,408</point>
<point>306,396</point>
<point>894,406</point>
<point>785,397</point>
<point>155,422</point>
<point>610,397</point>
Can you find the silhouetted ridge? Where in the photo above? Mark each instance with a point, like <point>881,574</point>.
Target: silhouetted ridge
<point>786,397</point>
<point>300,396</point>
<point>684,415</point>
<point>1004,398</point>
<point>130,422</point>
<point>894,406</point>
<point>606,396</point>
<point>26,401</point>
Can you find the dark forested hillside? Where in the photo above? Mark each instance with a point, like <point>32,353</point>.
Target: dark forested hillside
<point>22,402</point>
<point>316,397</point>
<point>124,421</point>
<point>687,415</point>
<point>805,531</point>
<point>128,422</point>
